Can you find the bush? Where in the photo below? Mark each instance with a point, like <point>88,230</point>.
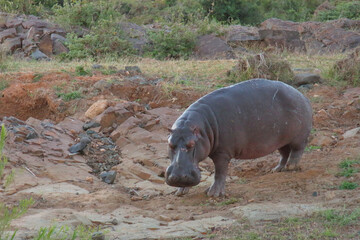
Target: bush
<point>176,43</point>
<point>86,14</point>
<point>349,10</point>
<point>261,66</point>
<point>346,70</point>
<point>106,39</point>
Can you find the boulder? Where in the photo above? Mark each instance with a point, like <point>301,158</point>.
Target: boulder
<point>212,47</point>
<point>38,55</point>
<point>8,33</point>
<point>306,78</point>
<point>34,23</point>
<point>34,34</point>
<point>13,22</point>
<point>11,44</point>
<point>284,39</point>
<point>59,47</point>
<point>96,108</point>
<point>238,35</point>
<point>136,35</point>
<point>46,45</point>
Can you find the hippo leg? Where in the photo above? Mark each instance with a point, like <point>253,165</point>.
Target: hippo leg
<point>285,152</point>
<point>182,191</point>
<point>217,189</point>
<point>294,158</point>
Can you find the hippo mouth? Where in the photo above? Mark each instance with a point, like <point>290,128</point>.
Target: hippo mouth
<point>180,178</point>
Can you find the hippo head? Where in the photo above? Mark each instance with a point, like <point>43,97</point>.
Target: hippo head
<point>183,145</point>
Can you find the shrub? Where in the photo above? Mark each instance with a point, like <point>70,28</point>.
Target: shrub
<point>347,70</point>
<point>178,42</point>
<point>106,39</point>
<point>343,9</point>
<point>261,66</point>
<point>348,185</point>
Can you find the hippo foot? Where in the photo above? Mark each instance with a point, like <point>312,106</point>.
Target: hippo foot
<point>292,167</point>
<point>278,168</point>
<point>182,191</point>
<point>215,190</point>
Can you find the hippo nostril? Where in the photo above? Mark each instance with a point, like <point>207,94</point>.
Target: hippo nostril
<point>194,174</point>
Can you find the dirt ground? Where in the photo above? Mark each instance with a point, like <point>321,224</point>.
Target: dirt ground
<point>250,182</point>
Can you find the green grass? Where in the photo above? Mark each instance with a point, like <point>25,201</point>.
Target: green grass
<point>70,95</point>
<point>37,77</point>
<point>328,224</point>
<point>3,84</point>
<point>312,148</point>
<point>348,185</point>
<point>228,202</point>
<point>65,233</point>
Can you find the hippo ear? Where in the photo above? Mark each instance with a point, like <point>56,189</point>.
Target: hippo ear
<point>170,130</point>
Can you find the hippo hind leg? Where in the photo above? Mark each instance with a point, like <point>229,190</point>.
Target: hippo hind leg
<point>294,158</point>
<point>284,152</point>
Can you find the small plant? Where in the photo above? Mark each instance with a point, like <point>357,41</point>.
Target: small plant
<point>37,77</point>
<point>7,214</point>
<point>348,185</point>
<point>312,148</point>
<point>228,202</point>
<point>348,163</point>
<point>70,95</point>
<point>80,71</point>
<point>3,84</point>
<point>64,233</point>
<point>348,168</point>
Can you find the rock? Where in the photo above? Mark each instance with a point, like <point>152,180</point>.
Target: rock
<point>89,125</point>
<point>79,147</point>
<point>13,22</point>
<point>102,84</point>
<point>283,39</point>
<point>97,236</point>
<point>164,218</point>
<point>38,55</point>
<point>34,34</point>
<point>59,47</point>
<point>212,47</point>
<point>108,177</point>
<point>133,69</point>
<point>11,44</point>
<point>96,108</point>
<point>306,78</point>
<point>322,140</point>
<point>97,66</point>
<point>238,35</point>
<point>46,45</point>
<point>124,128</point>
<point>351,133</point>
<point>274,211</point>
<point>55,37</point>
<point>35,23</point>
<point>169,207</point>
<point>8,33</point>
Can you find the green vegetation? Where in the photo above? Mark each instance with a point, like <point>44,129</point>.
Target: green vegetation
<point>7,214</point>
<point>3,84</point>
<point>176,43</point>
<point>312,148</point>
<point>327,224</point>
<point>65,233</point>
<point>348,185</point>
<point>81,71</point>
<point>228,202</point>
<point>342,9</point>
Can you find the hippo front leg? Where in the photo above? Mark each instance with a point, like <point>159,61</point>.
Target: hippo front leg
<point>182,191</point>
<point>217,189</point>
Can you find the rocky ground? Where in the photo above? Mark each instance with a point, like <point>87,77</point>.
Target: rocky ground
<point>126,116</point>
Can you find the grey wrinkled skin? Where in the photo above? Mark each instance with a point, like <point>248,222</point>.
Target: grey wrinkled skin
<point>244,121</point>
<point>80,146</point>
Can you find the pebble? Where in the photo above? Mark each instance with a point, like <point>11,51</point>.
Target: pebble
<point>89,125</point>
<point>89,179</point>
<point>169,207</point>
<point>98,236</point>
<point>164,218</point>
<point>108,177</point>
<point>315,194</point>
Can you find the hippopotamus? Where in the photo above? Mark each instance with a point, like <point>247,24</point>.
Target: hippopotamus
<point>247,120</point>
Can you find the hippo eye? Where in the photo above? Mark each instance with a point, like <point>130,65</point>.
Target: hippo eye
<point>190,144</point>
<point>172,146</point>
